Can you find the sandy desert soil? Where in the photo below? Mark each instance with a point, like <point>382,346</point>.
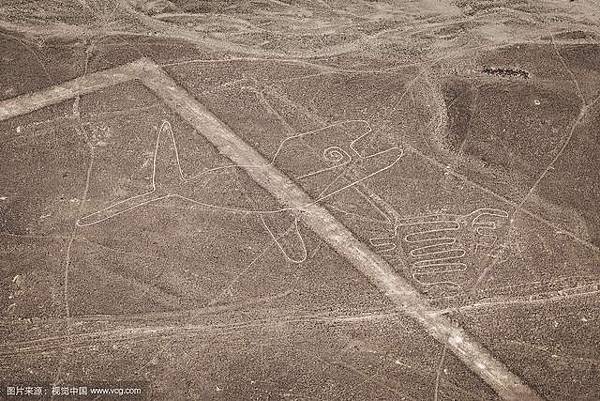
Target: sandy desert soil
<point>301,200</point>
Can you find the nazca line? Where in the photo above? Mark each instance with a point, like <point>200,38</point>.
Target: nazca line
<point>507,385</point>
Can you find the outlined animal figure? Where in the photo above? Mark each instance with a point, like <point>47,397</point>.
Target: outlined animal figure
<point>444,252</point>
<point>168,181</point>
<point>331,159</point>
<point>282,224</point>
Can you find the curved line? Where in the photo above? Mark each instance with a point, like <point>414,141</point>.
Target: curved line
<point>460,267</point>
<point>324,170</point>
<point>452,283</point>
<point>422,251</point>
<point>79,224</point>
<point>386,247</point>
<point>357,216</point>
<point>166,128</point>
<point>435,241</point>
<point>486,231</point>
<point>337,178</point>
<point>411,235</point>
<point>430,219</point>
<point>276,239</point>
<point>355,182</point>
<point>487,211</point>
<point>385,151</point>
<point>300,135</point>
<point>460,253</point>
<point>376,241</point>
<point>431,269</point>
<point>202,173</point>
<point>225,208</point>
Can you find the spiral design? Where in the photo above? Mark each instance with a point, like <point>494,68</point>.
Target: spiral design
<point>336,155</point>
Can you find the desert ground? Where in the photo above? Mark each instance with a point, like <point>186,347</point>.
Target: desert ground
<point>300,199</point>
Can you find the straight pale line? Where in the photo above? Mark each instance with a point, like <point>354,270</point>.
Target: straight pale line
<point>29,102</point>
